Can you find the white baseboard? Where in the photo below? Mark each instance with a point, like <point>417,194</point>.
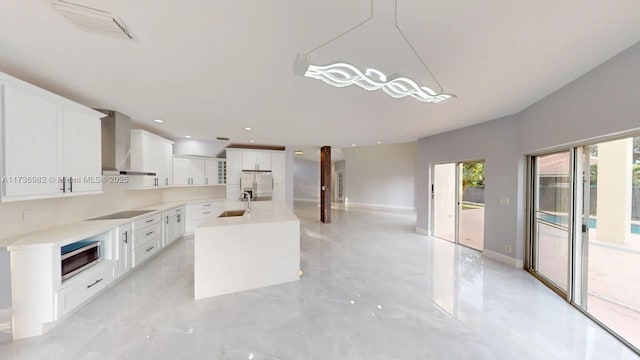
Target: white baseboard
<point>380,206</point>
<point>420,230</point>
<point>503,258</point>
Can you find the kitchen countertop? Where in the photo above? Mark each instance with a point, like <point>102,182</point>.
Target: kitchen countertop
<point>69,233</point>
<point>261,212</point>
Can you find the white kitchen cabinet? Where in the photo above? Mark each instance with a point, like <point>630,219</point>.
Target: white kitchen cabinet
<point>181,171</point>
<point>256,160</point>
<point>154,154</point>
<point>278,164</point>
<point>123,248</point>
<point>51,145</point>
<point>234,166</point>
<point>82,158</point>
<point>147,239</point>
<point>211,172</point>
<point>195,170</point>
<point>198,212</point>
<point>173,226</point>
<point>222,172</point>
<point>33,138</point>
<point>265,160</point>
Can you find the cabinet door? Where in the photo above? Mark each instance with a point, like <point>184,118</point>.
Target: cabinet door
<point>263,160</point>
<point>124,248</point>
<point>278,167</point>
<point>234,166</point>
<point>82,159</point>
<point>222,172</point>
<point>180,225</point>
<point>211,172</point>
<point>197,171</point>
<point>166,160</point>
<point>249,160</point>
<point>32,149</point>
<point>279,194</point>
<point>181,171</point>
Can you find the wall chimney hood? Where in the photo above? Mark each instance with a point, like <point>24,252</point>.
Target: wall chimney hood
<point>116,144</point>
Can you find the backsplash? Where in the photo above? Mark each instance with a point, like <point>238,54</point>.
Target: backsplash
<point>194,193</point>
<point>23,217</point>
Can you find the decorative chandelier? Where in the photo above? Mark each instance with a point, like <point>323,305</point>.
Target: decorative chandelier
<point>341,74</point>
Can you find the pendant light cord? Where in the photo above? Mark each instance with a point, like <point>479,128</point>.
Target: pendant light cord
<point>413,49</point>
<point>344,33</point>
<point>399,30</point>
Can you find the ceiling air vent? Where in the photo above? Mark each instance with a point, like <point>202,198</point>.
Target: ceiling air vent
<point>93,20</point>
<point>222,138</point>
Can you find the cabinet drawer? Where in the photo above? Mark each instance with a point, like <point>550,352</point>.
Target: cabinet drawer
<point>147,221</point>
<point>82,287</point>
<point>204,214</point>
<point>205,205</point>
<point>143,236</point>
<point>143,253</point>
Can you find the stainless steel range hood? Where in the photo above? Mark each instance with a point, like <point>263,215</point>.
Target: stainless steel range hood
<point>116,144</point>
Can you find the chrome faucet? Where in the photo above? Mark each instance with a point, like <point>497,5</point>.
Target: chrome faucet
<point>246,195</point>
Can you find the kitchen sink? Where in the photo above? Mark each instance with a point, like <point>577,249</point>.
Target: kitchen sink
<point>232,213</point>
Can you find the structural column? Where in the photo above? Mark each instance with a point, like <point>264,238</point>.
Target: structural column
<point>325,184</point>
<point>615,160</point>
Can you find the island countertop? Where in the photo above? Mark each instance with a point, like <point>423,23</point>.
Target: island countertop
<point>261,212</point>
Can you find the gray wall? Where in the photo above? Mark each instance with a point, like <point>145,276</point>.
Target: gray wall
<point>306,179</point>
<point>381,175</point>
<point>183,146</point>
<point>602,103</point>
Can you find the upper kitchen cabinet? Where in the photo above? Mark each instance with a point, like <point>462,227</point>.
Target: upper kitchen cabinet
<point>51,146</point>
<point>196,170</point>
<point>154,154</point>
<point>256,160</point>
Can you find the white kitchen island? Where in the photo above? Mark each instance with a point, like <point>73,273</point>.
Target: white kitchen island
<point>260,248</point>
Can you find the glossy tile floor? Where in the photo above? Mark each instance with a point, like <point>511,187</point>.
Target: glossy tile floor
<point>372,289</point>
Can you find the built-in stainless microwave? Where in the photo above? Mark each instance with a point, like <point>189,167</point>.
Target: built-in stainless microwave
<point>78,256</point>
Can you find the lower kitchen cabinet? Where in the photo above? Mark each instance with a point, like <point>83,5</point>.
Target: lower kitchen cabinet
<point>173,225</point>
<point>146,240</point>
<point>201,211</point>
<point>82,287</point>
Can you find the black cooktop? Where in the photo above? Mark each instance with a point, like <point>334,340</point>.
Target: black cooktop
<point>123,215</point>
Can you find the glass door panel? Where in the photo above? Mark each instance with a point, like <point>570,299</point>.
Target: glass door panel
<point>444,201</point>
<point>471,208</point>
<point>552,204</point>
<point>613,253</point>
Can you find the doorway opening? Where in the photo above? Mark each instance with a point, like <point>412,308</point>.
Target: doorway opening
<point>457,194</point>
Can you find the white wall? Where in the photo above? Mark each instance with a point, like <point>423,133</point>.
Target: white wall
<point>599,104</point>
<point>306,179</point>
<point>381,175</point>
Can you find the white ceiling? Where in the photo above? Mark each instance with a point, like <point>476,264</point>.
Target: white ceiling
<point>210,68</point>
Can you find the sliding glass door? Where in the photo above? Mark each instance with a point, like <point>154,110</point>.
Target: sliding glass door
<point>585,230</point>
<point>458,203</point>
<point>551,208</point>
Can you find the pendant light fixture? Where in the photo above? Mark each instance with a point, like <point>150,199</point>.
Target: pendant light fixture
<point>342,74</point>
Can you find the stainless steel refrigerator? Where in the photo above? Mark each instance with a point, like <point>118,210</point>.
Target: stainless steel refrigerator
<point>257,183</point>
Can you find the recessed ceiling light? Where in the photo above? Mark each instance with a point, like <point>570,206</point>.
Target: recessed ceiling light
<point>188,136</point>
<point>252,141</point>
<point>248,128</point>
<point>298,152</point>
<point>378,142</point>
<point>158,121</point>
<point>353,144</point>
